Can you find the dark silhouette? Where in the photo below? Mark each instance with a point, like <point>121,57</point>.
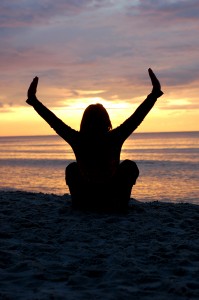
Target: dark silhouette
<point>97,180</point>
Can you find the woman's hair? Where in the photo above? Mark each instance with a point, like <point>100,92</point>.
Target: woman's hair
<point>95,119</point>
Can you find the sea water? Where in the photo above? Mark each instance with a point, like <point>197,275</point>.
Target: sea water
<point>168,164</point>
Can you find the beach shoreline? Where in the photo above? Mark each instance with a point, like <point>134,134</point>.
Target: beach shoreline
<point>50,251</point>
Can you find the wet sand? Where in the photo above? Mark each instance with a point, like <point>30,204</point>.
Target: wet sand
<point>50,251</point>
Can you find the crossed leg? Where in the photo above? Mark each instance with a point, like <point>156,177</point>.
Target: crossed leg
<point>112,195</point>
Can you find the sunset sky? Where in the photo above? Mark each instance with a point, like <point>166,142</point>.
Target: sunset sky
<point>89,51</point>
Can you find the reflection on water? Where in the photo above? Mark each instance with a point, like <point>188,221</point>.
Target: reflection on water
<point>168,164</point>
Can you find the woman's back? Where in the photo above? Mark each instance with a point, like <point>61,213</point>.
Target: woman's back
<point>97,156</point>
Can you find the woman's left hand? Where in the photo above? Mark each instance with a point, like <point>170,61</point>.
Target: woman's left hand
<point>155,83</point>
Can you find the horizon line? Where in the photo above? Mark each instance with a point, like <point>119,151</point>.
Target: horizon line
<point>144,132</point>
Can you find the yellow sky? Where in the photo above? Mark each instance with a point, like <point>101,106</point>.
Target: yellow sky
<point>23,120</point>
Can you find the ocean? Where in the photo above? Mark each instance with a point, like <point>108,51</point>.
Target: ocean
<point>168,163</point>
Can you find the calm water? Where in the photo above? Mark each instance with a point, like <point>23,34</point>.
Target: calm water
<point>168,163</point>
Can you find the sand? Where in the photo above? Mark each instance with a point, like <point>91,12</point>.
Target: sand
<point>49,251</point>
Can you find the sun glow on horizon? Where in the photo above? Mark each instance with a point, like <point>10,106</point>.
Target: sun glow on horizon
<point>168,114</point>
<point>72,112</point>
<point>83,103</point>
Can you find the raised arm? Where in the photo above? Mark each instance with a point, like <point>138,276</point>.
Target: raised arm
<point>126,128</point>
<point>63,130</point>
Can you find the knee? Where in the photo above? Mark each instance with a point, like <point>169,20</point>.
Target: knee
<point>71,172</point>
<point>130,167</point>
<point>128,172</point>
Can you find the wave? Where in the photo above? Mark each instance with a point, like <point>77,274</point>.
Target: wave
<point>64,162</point>
<point>158,150</point>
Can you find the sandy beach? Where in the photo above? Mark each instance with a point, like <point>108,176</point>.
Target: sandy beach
<point>49,251</point>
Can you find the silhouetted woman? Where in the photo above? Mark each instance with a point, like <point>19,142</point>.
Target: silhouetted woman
<point>97,180</point>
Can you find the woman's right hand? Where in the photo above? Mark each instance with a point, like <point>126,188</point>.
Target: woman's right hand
<point>32,91</point>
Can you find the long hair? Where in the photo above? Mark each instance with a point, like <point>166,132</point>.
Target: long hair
<point>95,120</point>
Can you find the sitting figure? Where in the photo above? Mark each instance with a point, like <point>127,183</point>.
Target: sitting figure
<point>98,180</point>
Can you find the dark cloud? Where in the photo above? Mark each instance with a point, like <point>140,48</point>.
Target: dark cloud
<point>18,13</point>
<point>180,76</point>
<point>34,12</point>
<point>95,45</point>
<point>169,10</point>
